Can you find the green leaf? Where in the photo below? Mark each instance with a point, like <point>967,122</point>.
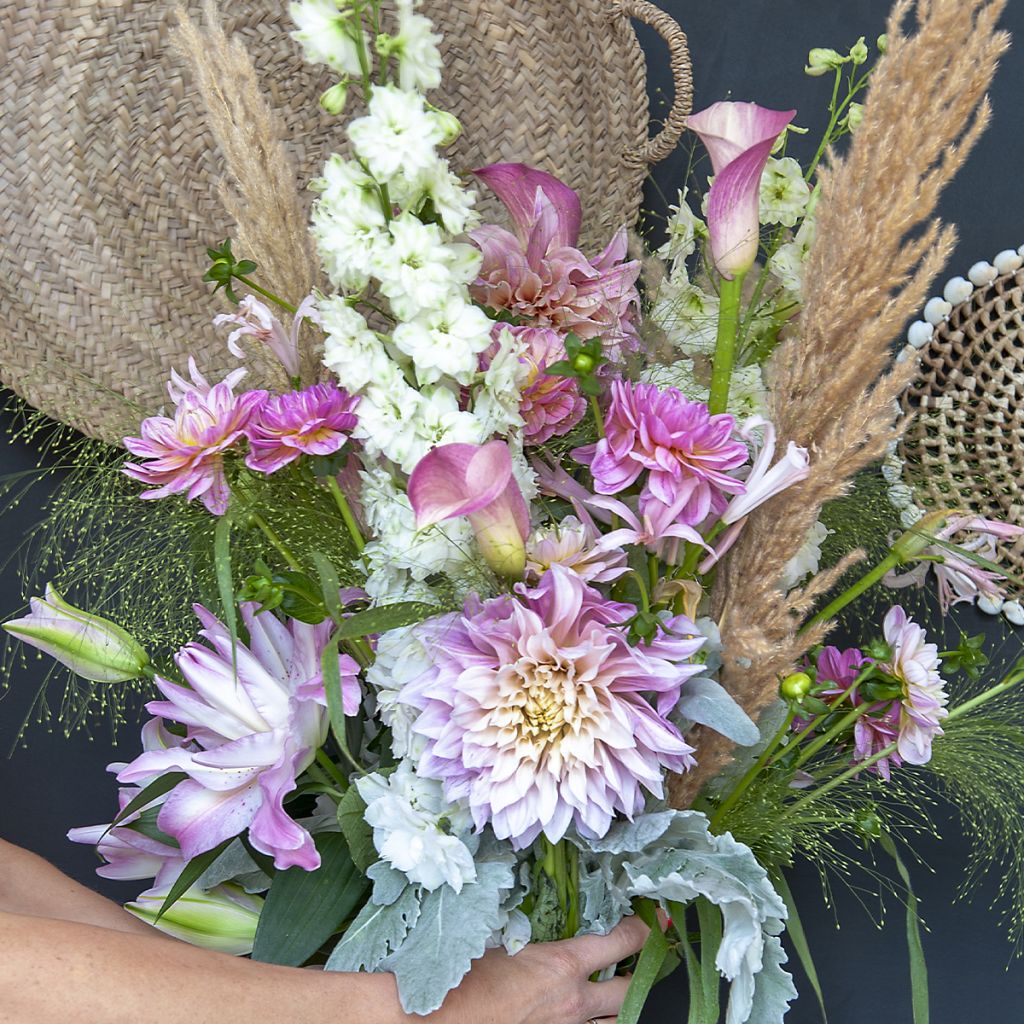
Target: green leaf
<point>191,874</point>
<point>710,918</point>
<point>155,789</point>
<point>356,830</point>
<point>973,556</point>
<point>335,706</point>
<point>305,908</point>
<point>146,826</point>
<point>329,586</point>
<point>918,968</point>
<point>380,620</point>
<point>648,966</point>
<point>798,939</point>
<point>377,932</point>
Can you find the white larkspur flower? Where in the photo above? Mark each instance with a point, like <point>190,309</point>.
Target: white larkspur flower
<point>441,421</point>
<point>784,192</point>
<point>415,47</point>
<point>416,830</point>
<point>388,412</point>
<point>352,351</point>
<point>399,134</point>
<point>326,31</point>
<point>684,230</point>
<point>788,261</point>
<point>806,560</point>
<point>452,201</point>
<point>446,340</point>
<point>687,314</point>
<point>400,656</point>
<point>418,270</point>
<point>496,401</point>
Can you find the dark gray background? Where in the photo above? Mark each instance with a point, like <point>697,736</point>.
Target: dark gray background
<point>745,50</point>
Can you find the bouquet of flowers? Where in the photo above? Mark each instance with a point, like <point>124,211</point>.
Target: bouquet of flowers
<point>511,613</point>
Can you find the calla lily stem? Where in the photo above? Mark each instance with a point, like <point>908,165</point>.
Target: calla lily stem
<point>725,344</point>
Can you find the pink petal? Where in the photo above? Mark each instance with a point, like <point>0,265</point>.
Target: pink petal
<point>458,480</point>
<point>516,185</point>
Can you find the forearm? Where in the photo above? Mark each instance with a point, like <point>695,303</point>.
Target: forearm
<point>31,887</point>
<point>55,971</point>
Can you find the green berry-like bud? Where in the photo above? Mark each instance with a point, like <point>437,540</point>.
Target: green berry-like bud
<point>796,686</point>
<point>584,363</point>
<point>333,100</point>
<point>859,52</point>
<point>821,60</point>
<point>854,116</point>
<point>882,43</point>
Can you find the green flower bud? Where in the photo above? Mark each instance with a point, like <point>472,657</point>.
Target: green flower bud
<point>820,61</point>
<point>449,124</point>
<point>854,116</point>
<point>920,536</point>
<point>584,363</point>
<point>91,646</point>
<point>882,43</point>
<point>796,686</point>
<point>859,52</point>
<point>333,100</point>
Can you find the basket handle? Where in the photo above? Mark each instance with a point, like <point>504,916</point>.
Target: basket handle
<point>659,147</point>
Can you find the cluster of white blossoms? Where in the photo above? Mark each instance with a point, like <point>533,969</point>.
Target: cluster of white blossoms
<point>387,224</point>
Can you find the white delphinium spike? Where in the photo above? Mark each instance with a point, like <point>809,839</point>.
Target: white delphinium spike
<point>326,29</point>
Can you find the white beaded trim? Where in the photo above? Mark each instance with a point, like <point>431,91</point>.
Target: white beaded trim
<point>919,335</point>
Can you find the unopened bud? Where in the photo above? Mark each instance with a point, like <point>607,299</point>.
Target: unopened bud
<point>859,52</point>
<point>882,43</point>
<point>333,100</point>
<point>820,61</point>
<point>796,686</point>
<point>583,363</point>
<point>449,124</point>
<point>855,116</point>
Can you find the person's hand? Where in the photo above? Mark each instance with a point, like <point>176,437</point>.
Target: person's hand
<point>546,983</point>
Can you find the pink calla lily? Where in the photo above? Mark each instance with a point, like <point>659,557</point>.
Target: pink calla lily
<point>739,138</point>
<point>475,481</point>
<point>559,208</point>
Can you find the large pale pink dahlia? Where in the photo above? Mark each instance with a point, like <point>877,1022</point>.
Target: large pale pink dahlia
<point>551,405</point>
<point>539,274</point>
<point>314,421</point>
<point>689,454</point>
<point>185,452</point>
<point>915,663</point>
<point>539,714</point>
<point>248,738</point>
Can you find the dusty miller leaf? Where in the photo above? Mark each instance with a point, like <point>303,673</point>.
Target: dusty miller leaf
<point>376,932</point>
<point>707,703</point>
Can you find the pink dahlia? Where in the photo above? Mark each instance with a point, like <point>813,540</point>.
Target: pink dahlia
<point>315,421</point>
<point>539,274</point>
<point>538,713</point>
<point>915,664</point>
<point>577,545</point>
<point>875,731</point>
<point>688,453</point>
<point>550,405</point>
<point>186,451</point>
<point>248,736</point>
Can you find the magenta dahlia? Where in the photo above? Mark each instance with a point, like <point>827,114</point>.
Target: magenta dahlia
<point>688,453</point>
<point>185,452</point>
<point>539,714</point>
<point>315,421</point>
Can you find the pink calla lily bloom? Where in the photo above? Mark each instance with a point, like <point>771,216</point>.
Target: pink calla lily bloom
<point>475,481</point>
<point>739,138</point>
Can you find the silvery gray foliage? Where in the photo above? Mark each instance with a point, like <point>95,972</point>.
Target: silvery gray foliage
<point>705,702</point>
<point>377,931</point>
<point>235,865</point>
<point>388,883</point>
<point>671,855</point>
<point>768,724</point>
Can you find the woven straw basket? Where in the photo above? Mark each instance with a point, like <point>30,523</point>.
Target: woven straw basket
<point>965,445</point>
<point>108,176</point>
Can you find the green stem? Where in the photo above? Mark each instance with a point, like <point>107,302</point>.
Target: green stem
<point>1011,680</point>
<point>249,283</point>
<point>331,768</point>
<point>282,549</point>
<point>750,774</point>
<point>346,513</point>
<point>840,779</point>
<point>852,593</point>
<point>598,418</point>
<point>840,727</point>
<point>833,121</point>
<point>725,344</point>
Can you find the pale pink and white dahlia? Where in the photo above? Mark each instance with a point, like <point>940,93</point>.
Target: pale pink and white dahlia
<point>915,663</point>
<point>185,452</point>
<point>315,421</point>
<point>690,455</point>
<point>248,737</point>
<point>551,405</point>
<point>539,274</point>
<point>577,545</point>
<point>538,713</point>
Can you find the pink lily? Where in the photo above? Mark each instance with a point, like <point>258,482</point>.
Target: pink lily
<point>644,530</point>
<point>765,480</point>
<point>255,320</point>
<point>739,138</point>
<point>475,481</point>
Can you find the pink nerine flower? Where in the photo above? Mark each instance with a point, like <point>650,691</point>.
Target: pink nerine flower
<point>550,405</point>
<point>537,273</point>
<point>186,452</point>
<point>739,138</point>
<point>915,663</point>
<point>249,737</point>
<point>315,421</point>
<point>688,453</point>
<point>535,711</point>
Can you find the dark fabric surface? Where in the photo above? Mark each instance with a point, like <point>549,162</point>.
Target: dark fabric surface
<point>750,50</point>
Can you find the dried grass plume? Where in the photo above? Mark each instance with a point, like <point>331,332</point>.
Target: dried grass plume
<point>834,385</point>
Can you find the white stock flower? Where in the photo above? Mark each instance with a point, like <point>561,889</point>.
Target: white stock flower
<point>784,192</point>
<point>417,270</point>
<point>445,340</point>
<point>687,314</point>
<point>806,560</point>
<point>352,351</point>
<point>398,134</point>
<point>416,831</point>
<point>684,228</point>
<point>415,46</point>
<point>326,30</point>
<point>388,412</point>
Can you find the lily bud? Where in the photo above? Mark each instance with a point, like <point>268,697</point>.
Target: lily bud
<point>475,481</point>
<point>224,919</point>
<point>821,60</point>
<point>91,646</point>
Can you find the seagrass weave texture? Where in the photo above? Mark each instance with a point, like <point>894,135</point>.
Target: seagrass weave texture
<point>109,177</point>
<point>965,445</point>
